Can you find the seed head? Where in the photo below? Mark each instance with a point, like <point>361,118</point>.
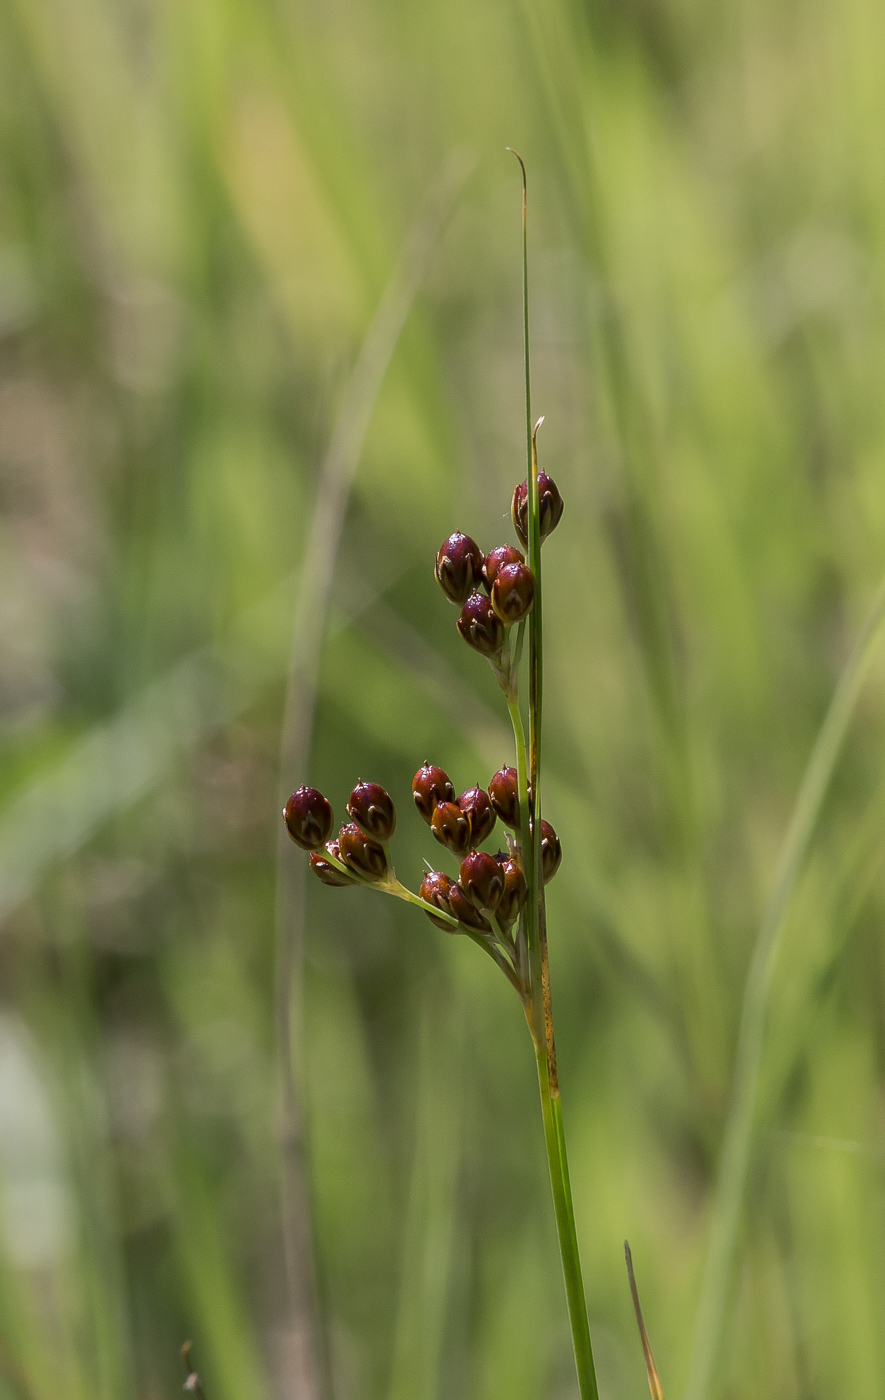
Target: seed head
<point>480,625</point>
<point>308,817</point>
<point>550,503</point>
<point>361,853</point>
<point>499,558</point>
<point>504,792</point>
<point>459,567</point>
<point>451,827</point>
<point>515,891</point>
<point>476,805</point>
<point>435,889</point>
<point>430,787</point>
<point>551,852</point>
<point>371,807</point>
<point>513,592</point>
<point>465,912</point>
<point>325,870</point>
<point>482,880</point>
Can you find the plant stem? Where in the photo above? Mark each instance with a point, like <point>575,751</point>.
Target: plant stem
<point>538,1006</point>
<point>554,1137</point>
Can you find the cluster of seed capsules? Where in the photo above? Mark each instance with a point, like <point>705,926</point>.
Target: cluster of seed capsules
<point>490,890</point>
<point>463,572</point>
<point>486,885</point>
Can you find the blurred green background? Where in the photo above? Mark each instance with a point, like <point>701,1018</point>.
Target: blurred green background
<point>203,203</point>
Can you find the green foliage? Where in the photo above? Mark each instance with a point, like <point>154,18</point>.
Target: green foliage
<point>203,205</point>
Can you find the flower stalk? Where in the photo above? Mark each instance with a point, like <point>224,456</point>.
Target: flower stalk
<point>497,900</point>
<point>541,1022</point>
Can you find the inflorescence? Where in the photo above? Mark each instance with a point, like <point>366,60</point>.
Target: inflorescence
<point>495,592</point>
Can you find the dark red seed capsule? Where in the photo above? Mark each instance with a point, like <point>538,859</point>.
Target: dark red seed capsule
<point>371,807</point>
<point>430,787</point>
<point>513,592</point>
<point>477,807</point>
<point>308,817</point>
<point>515,891</point>
<point>482,880</point>
<point>504,792</point>
<point>459,567</point>
<point>549,501</point>
<point>451,827</point>
<point>480,625</point>
<point>435,889</point>
<point>551,852</point>
<point>361,853</point>
<point>499,558</point>
<point>465,912</point>
<point>325,870</point>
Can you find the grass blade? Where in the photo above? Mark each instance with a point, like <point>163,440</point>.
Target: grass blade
<point>654,1384</point>
<point>738,1141</point>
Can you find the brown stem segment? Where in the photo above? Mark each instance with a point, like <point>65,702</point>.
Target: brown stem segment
<point>654,1384</point>
<point>546,1000</point>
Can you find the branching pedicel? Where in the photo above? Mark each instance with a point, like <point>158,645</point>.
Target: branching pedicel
<point>497,899</point>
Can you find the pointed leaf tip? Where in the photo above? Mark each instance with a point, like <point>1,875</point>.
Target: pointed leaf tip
<point>654,1384</point>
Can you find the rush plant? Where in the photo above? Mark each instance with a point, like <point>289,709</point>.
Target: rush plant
<point>496,898</point>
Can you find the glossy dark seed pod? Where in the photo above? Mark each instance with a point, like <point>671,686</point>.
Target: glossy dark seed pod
<point>499,558</point>
<point>504,793</point>
<point>451,827</point>
<point>459,567</point>
<point>480,625</point>
<point>515,891</point>
<point>551,852</point>
<point>361,853</point>
<point>430,787</point>
<point>513,592</point>
<point>477,807</point>
<point>308,817</point>
<point>371,807</point>
<point>549,501</point>
<point>435,889</point>
<point>325,870</point>
<point>465,912</point>
<point>482,880</point>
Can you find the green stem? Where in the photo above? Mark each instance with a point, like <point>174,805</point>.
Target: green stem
<point>527,935</point>
<point>554,1138</point>
<point>540,1022</point>
<point>538,1007</point>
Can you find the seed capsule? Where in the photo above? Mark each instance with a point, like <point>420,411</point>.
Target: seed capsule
<point>504,792</point>
<point>435,889</point>
<point>499,558</point>
<point>325,870</point>
<point>513,592</point>
<point>551,852</point>
<point>549,501</point>
<point>465,912</point>
<point>361,853</point>
<point>477,807</point>
<point>480,625</point>
<point>430,787</point>
<point>451,827</point>
<point>482,880</point>
<point>459,567</point>
<point>308,817</point>
<point>515,891</point>
<point>371,807</point>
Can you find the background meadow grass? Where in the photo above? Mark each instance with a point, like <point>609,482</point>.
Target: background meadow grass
<point>202,206</point>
